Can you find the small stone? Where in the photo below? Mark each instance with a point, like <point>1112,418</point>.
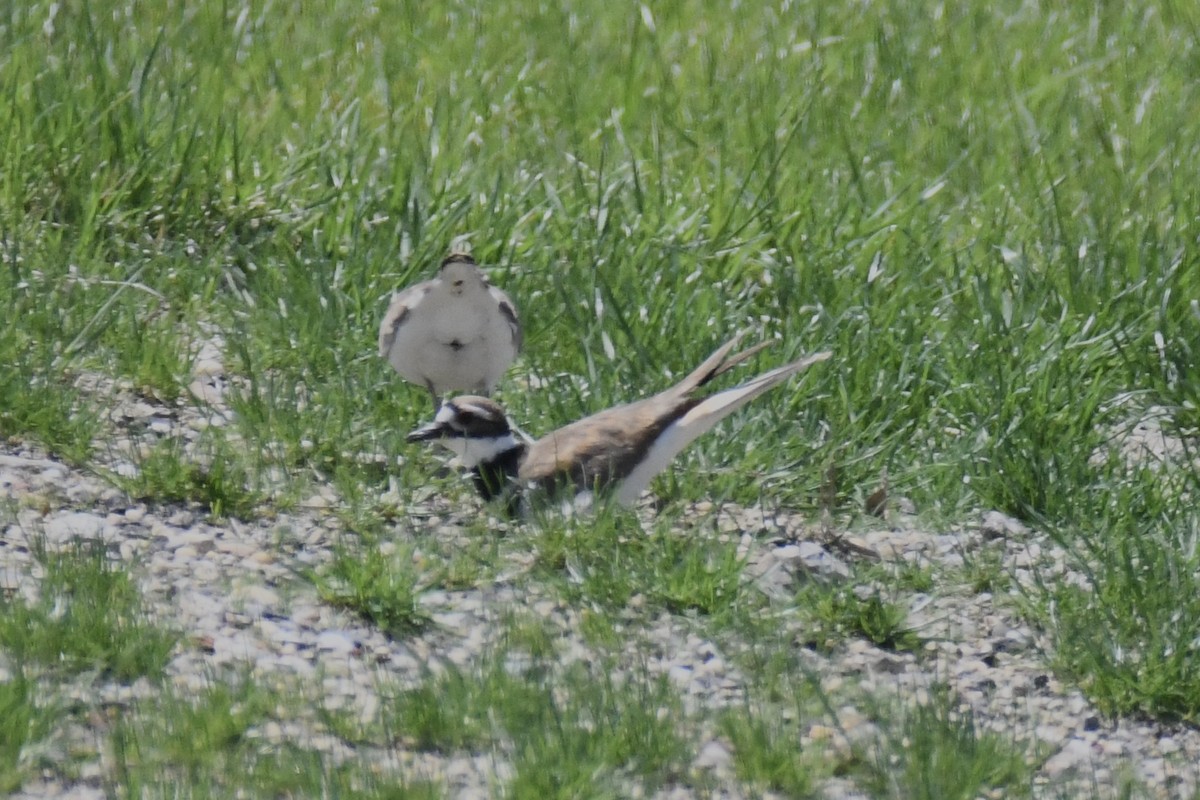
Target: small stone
<point>126,469</point>
<point>1077,704</point>
<point>973,667</point>
<point>820,733</point>
<point>273,732</point>
<point>306,614</point>
<point>53,474</point>
<point>260,598</point>
<point>850,718</point>
<point>207,368</point>
<point>713,755</point>
<point>130,549</point>
<point>235,547</point>
<point>1153,770</point>
<point>996,525</point>
<point>238,619</point>
<point>811,557</point>
<point>1071,759</point>
<point>198,541</point>
<point>234,647</point>
<point>316,501</point>
<point>711,666</point>
<point>838,789</point>
<point>890,664</point>
<point>337,642</point>
<point>141,410</point>
<point>459,656</point>
<point>75,525</point>
<point>680,675</point>
<point>1112,748</point>
<point>204,570</point>
<point>1052,734</point>
<point>291,663</point>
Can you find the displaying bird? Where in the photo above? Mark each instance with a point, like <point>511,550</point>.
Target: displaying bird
<point>453,333</point>
<point>618,450</point>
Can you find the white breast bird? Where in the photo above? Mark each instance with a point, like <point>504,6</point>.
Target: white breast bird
<point>454,333</point>
<point>620,449</point>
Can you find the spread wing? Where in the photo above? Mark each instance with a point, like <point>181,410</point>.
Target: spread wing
<point>402,303</point>
<point>508,310</point>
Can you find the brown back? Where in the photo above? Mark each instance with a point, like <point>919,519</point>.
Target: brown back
<point>605,447</point>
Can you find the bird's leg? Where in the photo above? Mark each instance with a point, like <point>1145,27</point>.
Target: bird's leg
<point>437,401</point>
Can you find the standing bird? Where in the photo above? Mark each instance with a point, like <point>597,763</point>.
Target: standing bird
<point>455,332</point>
<point>619,449</point>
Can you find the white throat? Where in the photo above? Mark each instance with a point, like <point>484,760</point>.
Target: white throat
<point>473,451</point>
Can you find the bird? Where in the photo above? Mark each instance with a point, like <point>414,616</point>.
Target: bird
<point>616,451</point>
<point>453,333</point>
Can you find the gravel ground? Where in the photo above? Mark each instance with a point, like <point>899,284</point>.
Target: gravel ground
<point>235,590</point>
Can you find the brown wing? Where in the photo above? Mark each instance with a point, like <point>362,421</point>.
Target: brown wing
<point>509,311</point>
<point>605,447</point>
<point>402,303</point>
<point>602,448</point>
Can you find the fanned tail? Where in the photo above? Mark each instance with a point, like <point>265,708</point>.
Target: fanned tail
<point>718,363</point>
<point>707,414</point>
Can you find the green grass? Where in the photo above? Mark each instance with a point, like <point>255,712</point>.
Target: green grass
<point>984,572</point>
<point>24,724</point>
<point>567,731</point>
<point>219,480</point>
<point>986,211</point>
<point>916,577</point>
<point>216,744</point>
<point>608,560</point>
<point>38,401</point>
<point>153,355</point>
<point>378,582</point>
<point>201,735</point>
<point>935,750</point>
<point>89,616</point>
<point>769,755</point>
<point>1130,638</point>
<point>841,611</point>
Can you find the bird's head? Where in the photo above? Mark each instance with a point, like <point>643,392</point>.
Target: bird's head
<point>459,272</point>
<point>475,428</point>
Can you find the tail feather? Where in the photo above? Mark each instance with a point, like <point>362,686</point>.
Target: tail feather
<point>713,409</point>
<point>735,360</point>
<point>718,363</point>
<point>705,415</point>
<point>705,372</point>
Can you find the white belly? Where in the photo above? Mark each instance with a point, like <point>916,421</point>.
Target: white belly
<point>453,345</point>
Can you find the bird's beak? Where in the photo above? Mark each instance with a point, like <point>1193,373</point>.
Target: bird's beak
<point>427,433</point>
